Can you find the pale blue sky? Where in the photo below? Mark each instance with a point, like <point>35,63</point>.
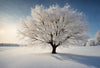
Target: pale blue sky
<point>12,10</point>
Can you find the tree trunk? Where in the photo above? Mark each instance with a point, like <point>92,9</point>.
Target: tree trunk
<point>54,50</point>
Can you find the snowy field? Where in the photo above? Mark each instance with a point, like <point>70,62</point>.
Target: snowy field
<point>28,57</point>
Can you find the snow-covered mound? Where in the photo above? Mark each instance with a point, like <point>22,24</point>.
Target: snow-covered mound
<point>72,57</point>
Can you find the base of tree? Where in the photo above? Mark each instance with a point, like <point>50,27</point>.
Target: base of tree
<point>54,53</point>
<point>54,50</point>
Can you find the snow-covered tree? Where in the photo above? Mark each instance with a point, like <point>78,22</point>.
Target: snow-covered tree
<point>91,43</point>
<point>54,26</point>
<point>95,41</point>
<point>97,38</point>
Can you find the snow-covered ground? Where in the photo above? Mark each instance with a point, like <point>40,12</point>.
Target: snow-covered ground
<point>28,57</point>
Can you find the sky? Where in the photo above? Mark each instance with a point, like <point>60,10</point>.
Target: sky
<point>11,11</point>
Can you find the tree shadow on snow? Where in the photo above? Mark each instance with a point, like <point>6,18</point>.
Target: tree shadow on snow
<point>87,60</point>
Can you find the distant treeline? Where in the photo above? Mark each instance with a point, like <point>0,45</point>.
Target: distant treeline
<point>9,45</point>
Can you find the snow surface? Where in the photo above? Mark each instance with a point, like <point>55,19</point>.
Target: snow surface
<point>71,57</point>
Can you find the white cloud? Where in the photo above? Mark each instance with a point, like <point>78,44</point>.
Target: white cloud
<point>8,30</point>
<point>8,33</point>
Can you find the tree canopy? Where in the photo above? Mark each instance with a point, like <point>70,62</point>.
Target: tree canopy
<point>55,25</point>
